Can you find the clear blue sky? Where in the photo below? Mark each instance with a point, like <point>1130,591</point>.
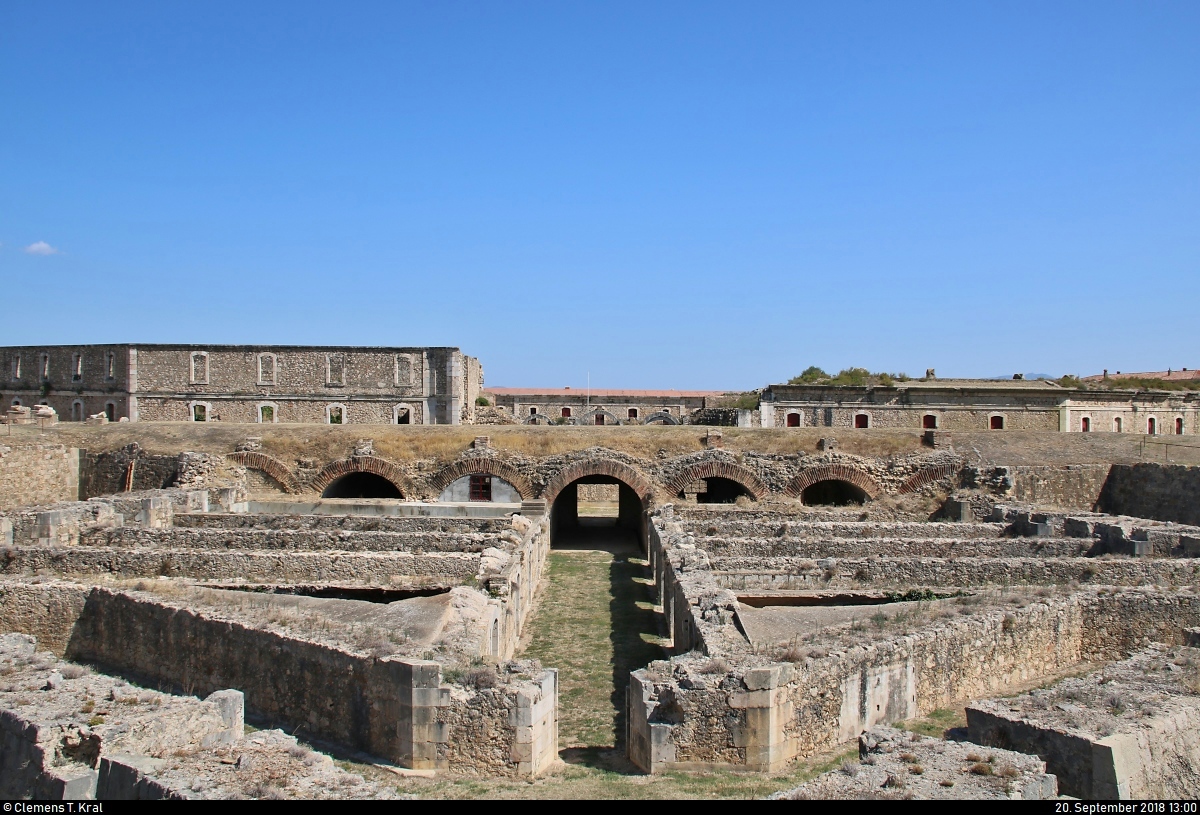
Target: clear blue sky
<point>679,195</point>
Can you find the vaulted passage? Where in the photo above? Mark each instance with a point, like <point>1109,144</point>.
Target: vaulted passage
<point>833,493</point>
<point>361,485</point>
<point>596,507</point>
<point>721,491</point>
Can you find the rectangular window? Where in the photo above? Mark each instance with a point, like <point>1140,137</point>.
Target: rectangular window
<point>335,414</point>
<point>110,366</point>
<point>566,413</point>
<point>335,370</point>
<point>199,413</point>
<point>16,366</point>
<point>266,414</point>
<point>45,366</point>
<point>403,370</point>
<point>77,367</point>
<point>266,369</point>
<point>481,488</point>
<point>199,368</point>
<point>633,413</point>
<point>996,423</point>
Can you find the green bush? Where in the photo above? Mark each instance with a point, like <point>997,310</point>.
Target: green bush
<point>482,401</point>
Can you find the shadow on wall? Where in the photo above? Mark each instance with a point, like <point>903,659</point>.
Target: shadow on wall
<point>362,485</point>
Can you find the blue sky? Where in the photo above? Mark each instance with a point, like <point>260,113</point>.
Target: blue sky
<point>675,195</point>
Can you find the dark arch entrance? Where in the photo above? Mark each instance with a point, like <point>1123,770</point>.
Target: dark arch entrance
<point>361,485</point>
<point>833,492</point>
<point>598,520</point>
<point>719,490</point>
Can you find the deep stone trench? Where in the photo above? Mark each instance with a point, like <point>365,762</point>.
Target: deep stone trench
<point>370,595</point>
<point>843,598</point>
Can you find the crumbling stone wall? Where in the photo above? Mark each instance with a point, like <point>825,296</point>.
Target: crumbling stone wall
<point>1164,492</point>
<point>37,474</point>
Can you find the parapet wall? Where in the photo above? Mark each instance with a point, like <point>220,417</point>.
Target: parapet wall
<point>1159,491</point>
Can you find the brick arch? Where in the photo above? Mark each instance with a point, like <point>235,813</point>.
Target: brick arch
<point>927,476</point>
<point>587,418</point>
<point>833,472</point>
<point>661,415</point>
<point>363,464</point>
<point>480,466</point>
<point>718,469</point>
<point>598,466</point>
<point>269,465</point>
<point>537,418</point>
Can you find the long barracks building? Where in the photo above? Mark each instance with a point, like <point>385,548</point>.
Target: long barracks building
<point>245,383</point>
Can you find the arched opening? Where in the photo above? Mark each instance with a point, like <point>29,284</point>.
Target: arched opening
<point>833,493</point>
<point>1085,425</point>
<point>1151,427</point>
<point>718,491</point>
<point>862,421</point>
<point>1117,425</point>
<point>793,420</point>
<point>361,485</point>
<point>596,511</point>
<point>929,421</point>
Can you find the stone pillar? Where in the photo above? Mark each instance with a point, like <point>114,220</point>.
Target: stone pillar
<point>419,733</point>
<point>535,722</point>
<point>768,709</point>
<point>157,513</point>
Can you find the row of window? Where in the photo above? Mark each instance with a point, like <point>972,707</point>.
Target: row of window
<point>566,414</point>
<point>996,422</point>
<point>268,369</point>
<point>110,366</point>
<point>268,413</point>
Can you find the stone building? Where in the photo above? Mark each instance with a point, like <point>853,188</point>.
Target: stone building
<point>600,407</point>
<point>979,404</point>
<point>245,383</point>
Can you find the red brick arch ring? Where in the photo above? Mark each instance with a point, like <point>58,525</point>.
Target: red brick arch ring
<point>927,476</point>
<point>269,465</point>
<point>718,469</point>
<point>363,464</point>
<point>480,466</point>
<point>833,472</point>
<point>598,466</point>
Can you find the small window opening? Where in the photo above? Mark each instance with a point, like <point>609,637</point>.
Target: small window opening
<point>566,413</point>
<point>600,418</point>
<point>1151,426</point>
<point>45,366</point>
<point>633,414</point>
<point>77,367</point>
<point>199,413</point>
<point>1085,425</point>
<point>16,366</point>
<point>335,415</point>
<point>403,416</point>
<point>929,421</point>
<point>1117,425</point>
<point>481,488</point>
<point>862,421</point>
<point>266,369</point>
<point>199,368</point>
<point>1179,427</point>
<point>266,414</point>
<point>996,423</point>
<point>110,366</point>
<point>793,420</point>
<point>533,411</point>
<point>335,369</point>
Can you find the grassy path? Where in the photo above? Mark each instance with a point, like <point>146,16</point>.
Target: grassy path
<point>595,623</point>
